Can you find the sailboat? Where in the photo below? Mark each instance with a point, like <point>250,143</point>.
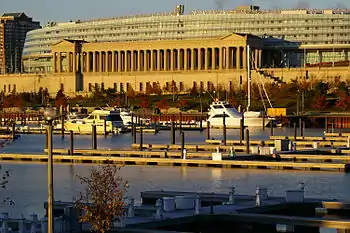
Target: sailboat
<point>233,117</point>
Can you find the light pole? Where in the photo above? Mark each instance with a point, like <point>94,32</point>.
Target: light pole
<point>50,115</point>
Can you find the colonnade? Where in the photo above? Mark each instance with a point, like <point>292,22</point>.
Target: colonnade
<point>179,59</point>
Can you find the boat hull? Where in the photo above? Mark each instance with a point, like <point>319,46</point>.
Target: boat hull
<point>236,122</point>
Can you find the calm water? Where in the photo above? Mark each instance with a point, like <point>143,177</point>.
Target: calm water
<point>28,184</point>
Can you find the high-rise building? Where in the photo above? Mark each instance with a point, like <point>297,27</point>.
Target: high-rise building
<point>13,30</point>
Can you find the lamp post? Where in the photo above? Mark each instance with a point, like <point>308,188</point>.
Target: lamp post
<point>50,115</point>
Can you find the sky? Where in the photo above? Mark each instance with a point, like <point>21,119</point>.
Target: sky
<point>66,10</point>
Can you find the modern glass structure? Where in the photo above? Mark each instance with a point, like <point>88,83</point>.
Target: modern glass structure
<point>306,26</point>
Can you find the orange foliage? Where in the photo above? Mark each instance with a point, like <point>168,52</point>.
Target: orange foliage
<point>12,101</point>
<point>144,102</point>
<point>182,103</point>
<point>103,199</point>
<point>163,104</point>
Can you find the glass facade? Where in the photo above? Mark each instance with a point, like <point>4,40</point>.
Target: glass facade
<point>305,26</point>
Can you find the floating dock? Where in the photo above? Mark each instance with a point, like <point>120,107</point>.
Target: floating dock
<point>96,158</point>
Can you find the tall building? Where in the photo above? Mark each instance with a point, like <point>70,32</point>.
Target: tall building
<point>310,27</point>
<point>13,30</point>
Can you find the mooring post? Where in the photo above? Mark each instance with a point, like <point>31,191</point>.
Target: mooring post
<point>208,130</point>
<point>271,127</point>
<point>247,141</point>
<point>201,122</point>
<point>94,138</point>
<point>295,130</point>
<point>62,125</point>
<point>172,133</point>
<point>71,142</point>
<point>301,127</point>
<point>13,131</point>
<point>224,127</point>
<point>241,131</point>
<point>182,143</point>
<point>180,122</point>
<point>133,130</point>
<point>132,124</point>
<point>141,138</point>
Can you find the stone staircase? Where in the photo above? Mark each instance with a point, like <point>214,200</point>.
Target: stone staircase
<point>275,79</point>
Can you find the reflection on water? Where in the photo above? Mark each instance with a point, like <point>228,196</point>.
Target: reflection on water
<point>28,184</point>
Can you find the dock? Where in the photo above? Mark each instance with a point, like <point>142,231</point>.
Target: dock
<point>102,157</point>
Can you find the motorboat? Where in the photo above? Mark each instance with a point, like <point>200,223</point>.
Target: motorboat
<point>233,117</point>
<point>111,120</point>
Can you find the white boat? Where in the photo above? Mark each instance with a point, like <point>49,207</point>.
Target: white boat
<point>98,118</point>
<point>232,116</point>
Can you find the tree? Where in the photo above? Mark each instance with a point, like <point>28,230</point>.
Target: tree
<point>149,89</point>
<point>162,104</point>
<point>144,102</point>
<point>156,89</point>
<point>320,102</point>
<point>343,102</point>
<point>194,90</point>
<point>12,101</point>
<point>104,197</point>
<point>182,103</point>
<point>130,92</point>
<point>61,99</point>
<point>173,88</point>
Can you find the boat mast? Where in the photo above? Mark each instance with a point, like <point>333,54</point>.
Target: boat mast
<point>249,78</point>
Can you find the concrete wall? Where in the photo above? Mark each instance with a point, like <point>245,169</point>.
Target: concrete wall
<point>29,83</point>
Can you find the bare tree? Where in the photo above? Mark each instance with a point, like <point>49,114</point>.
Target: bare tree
<point>103,200</point>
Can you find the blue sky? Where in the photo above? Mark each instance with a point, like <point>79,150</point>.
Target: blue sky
<point>65,10</point>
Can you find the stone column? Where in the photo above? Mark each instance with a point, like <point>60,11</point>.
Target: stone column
<point>185,59</point>
<point>256,58</point>
<point>238,58</point>
<point>54,63</point>
<point>82,62</point>
<point>159,57</point>
<point>113,61</point>
<point>152,60</point>
<point>206,58</point>
<point>94,61</point>
<point>119,61</point>
<point>88,58</point>
<point>244,57</point>
<point>132,61</point>
<point>227,58</point>
<point>138,60</point>
<point>179,59</point>
<point>220,58</point>
<point>192,59</point>
<point>213,60</point>
<point>59,62</point>
<point>101,65</point>
<point>172,60</point>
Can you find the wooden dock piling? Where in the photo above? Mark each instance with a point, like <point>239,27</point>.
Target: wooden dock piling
<point>71,142</point>
<point>224,127</point>
<point>94,137</point>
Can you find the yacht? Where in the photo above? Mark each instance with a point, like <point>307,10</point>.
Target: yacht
<point>98,117</point>
<point>233,117</point>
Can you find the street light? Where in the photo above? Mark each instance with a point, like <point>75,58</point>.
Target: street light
<point>49,116</point>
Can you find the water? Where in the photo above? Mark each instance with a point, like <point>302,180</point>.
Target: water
<point>28,183</point>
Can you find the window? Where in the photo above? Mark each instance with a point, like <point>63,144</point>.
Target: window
<point>90,87</point>
<point>62,87</point>
<point>217,106</point>
<point>121,87</point>
<point>181,86</point>
<point>115,87</point>
<point>102,86</point>
<point>141,86</point>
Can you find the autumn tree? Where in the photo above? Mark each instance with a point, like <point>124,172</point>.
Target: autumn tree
<point>130,92</point>
<point>343,102</point>
<point>12,101</point>
<point>182,103</point>
<point>144,102</point>
<point>61,99</point>
<point>149,89</point>
<point>194,90</point>
<point>103,200</point>
<point>157,89</point>
<point>320,102</point>
<point>162,104</point>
